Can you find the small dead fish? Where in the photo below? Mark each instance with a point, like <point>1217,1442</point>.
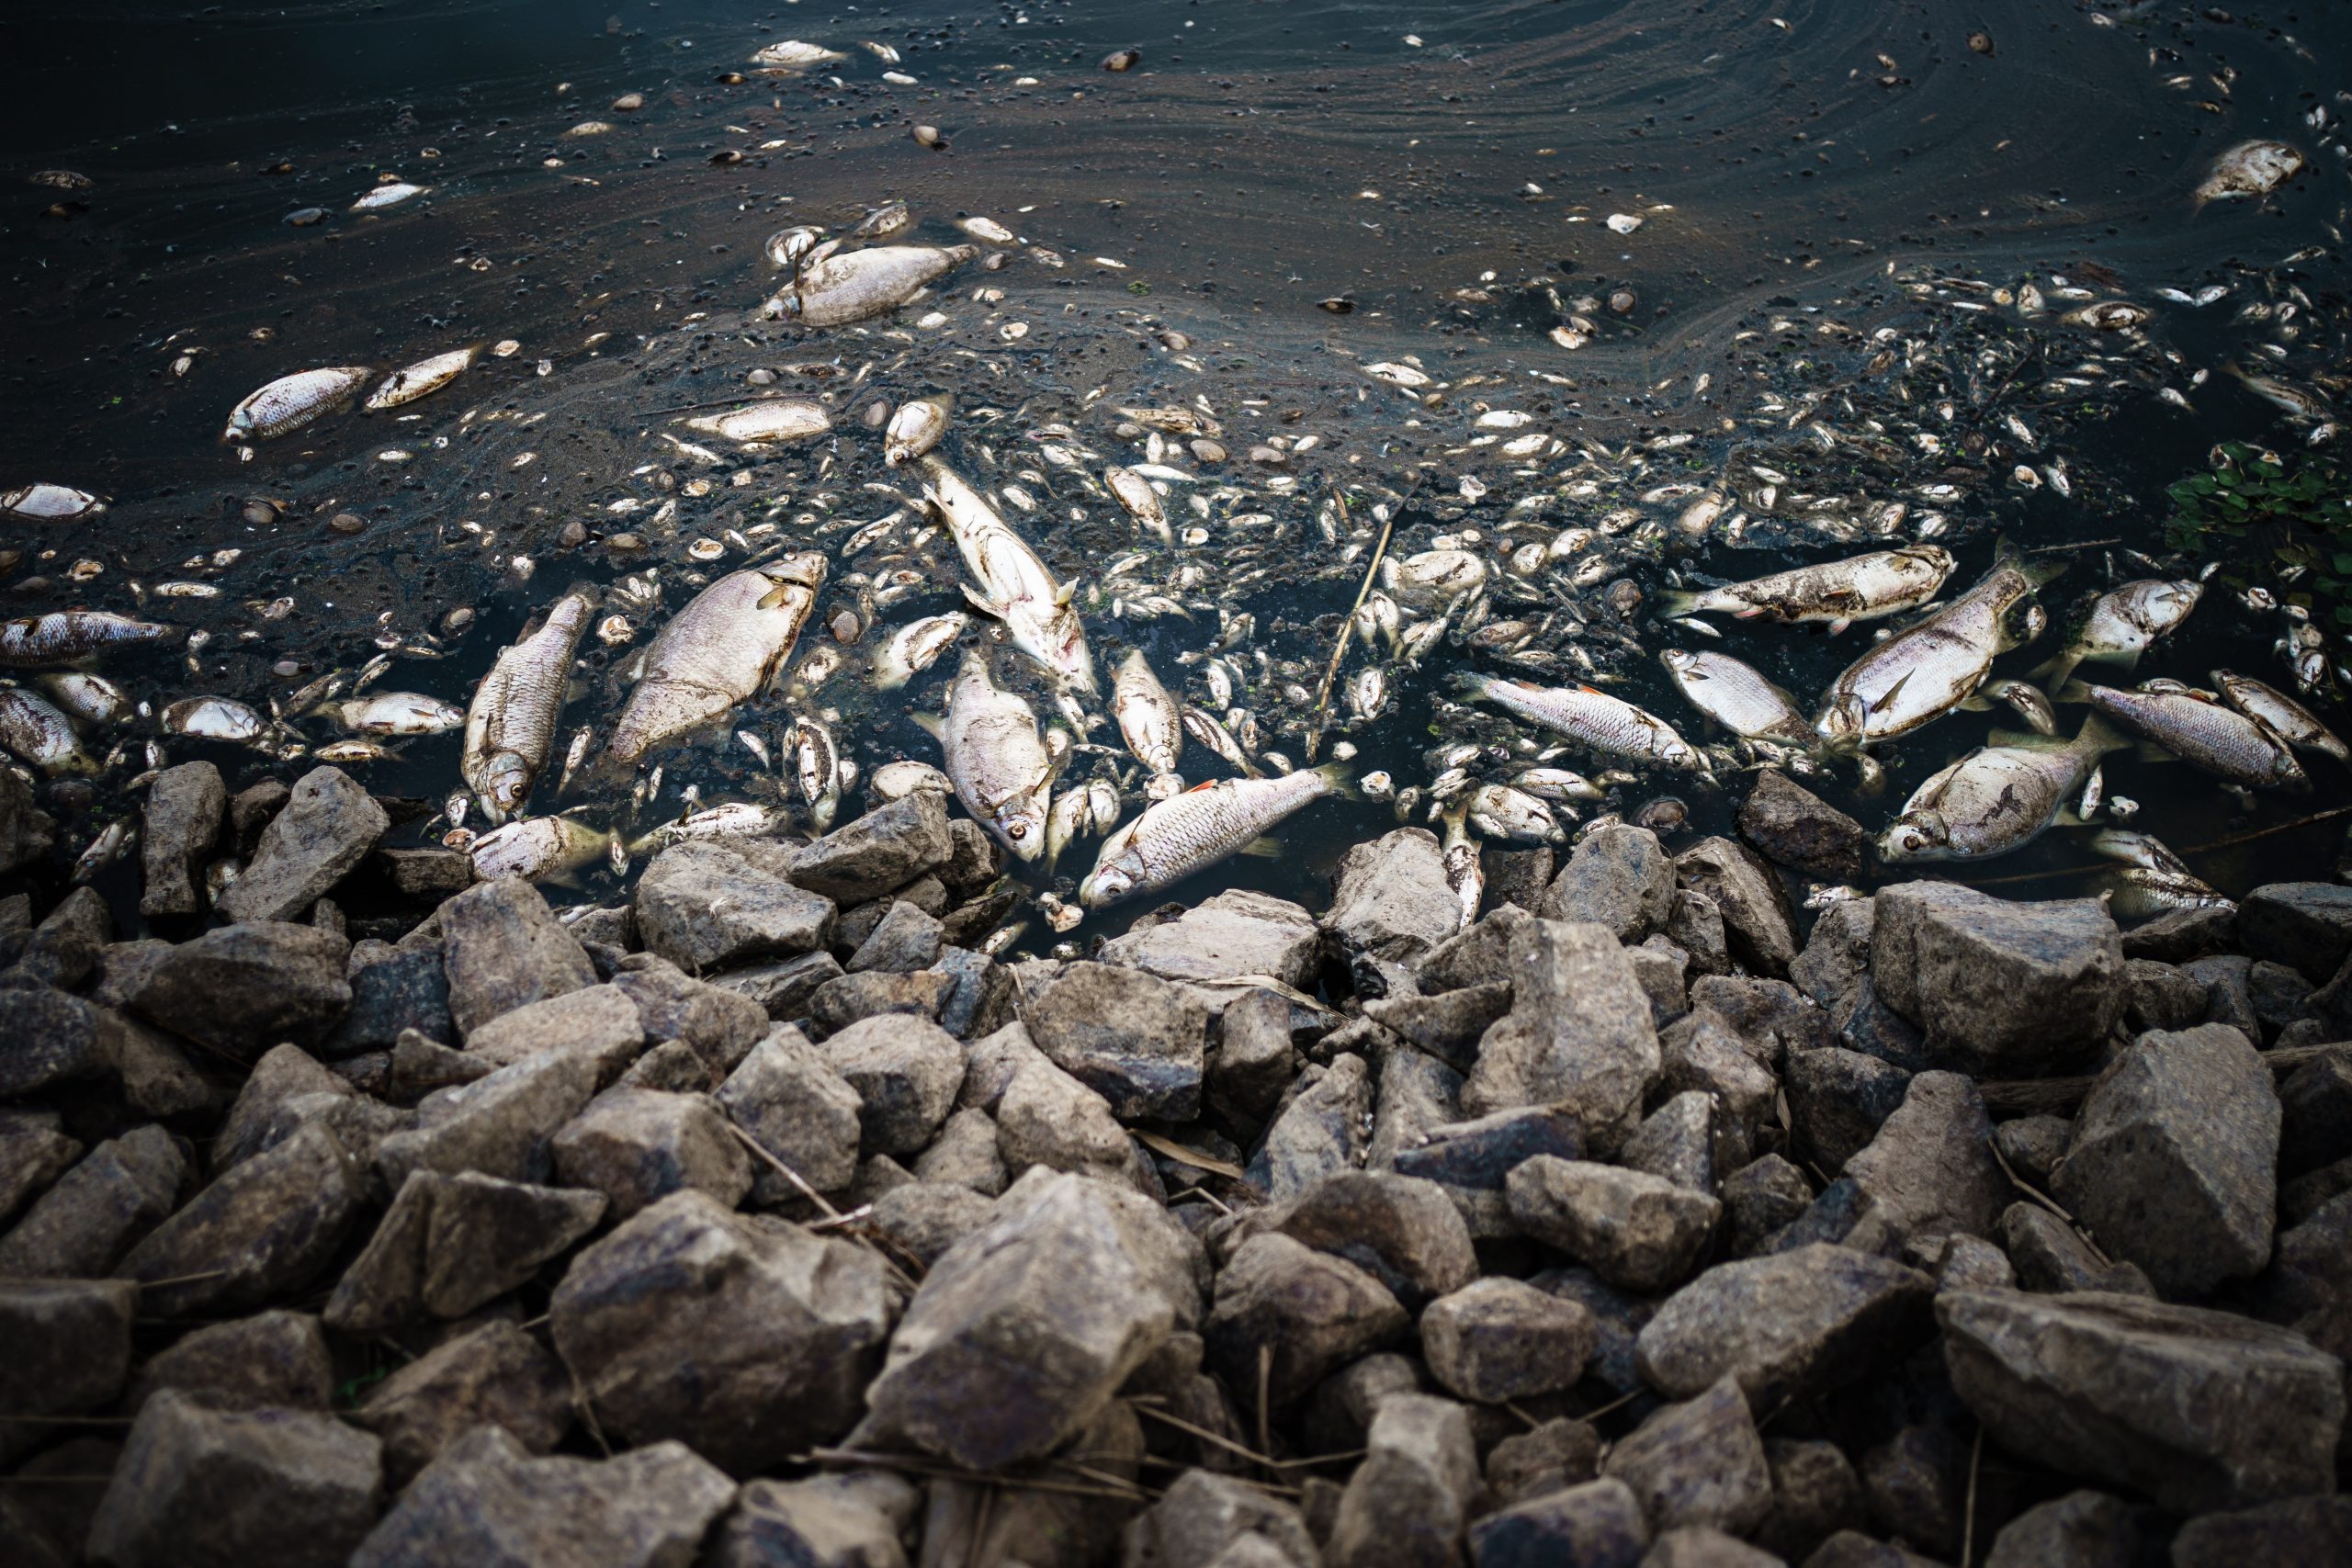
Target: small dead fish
<point>1925,671</point>
<point>789,247</point>
<point>391,193</point>
<point>1996,799</point>
<point>840,290</point>
<point>2027,702</point>
<point>93,699</point>
<point>510,726</point>
<point>723,648</point>
<point>291,402</point>
<point>896,781</point>
<point>816,766</point>
<point>1498,811</point>
<point>1555,784</point>
<point>112,843</point>
<point>1737,696</point>
<point>50,503</point>
<point>399,713</point>
<point>214,718</point>
<point>1196,829</point>
<point>997,762</point>
<point>2120,625</point>
<point>916,427</point>
<point>884,221</point>
<point>1206,728</point>
<point>776,420</point>
<point>1134,493</point>
<point>1592,719</point>
<point>36,730</point>
<point>421,380</point>
<point>915,648</point>
<point>346,752</point>
<point>727,819</point>
<point>1014,585</point>
<point>1150,722</point>
<point>987,229</point>
<point>1841,593</point>
<point>538,848</point>
<point>2137,893</point>
<point>2250,168</point>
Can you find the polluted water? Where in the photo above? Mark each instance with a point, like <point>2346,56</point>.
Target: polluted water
<point>1195,441</point>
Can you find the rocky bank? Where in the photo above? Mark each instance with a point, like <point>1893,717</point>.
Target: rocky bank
<point>768,1220</point>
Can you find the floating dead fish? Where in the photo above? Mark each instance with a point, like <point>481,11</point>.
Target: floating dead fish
<point>214,718</point>
<point>1592,719</point>
<point>2294,722</point>
<point>1397,375</point>
<point>2120,625</point>
<point>399,713</point>
<point>291,402</point>
<point>2250,168</point>
<point>1172,420</point>
<point>1996,799</point>
<point>787,248</point>
<point>2214,736</point>
<point>987,229</point>
<point>1841,593</point>
<point>1150,721</point>
<point>510,727</point>
<point>778,418</point>
<point>817,769</point>
<point>1196,829</point>
<point>1134,493</point>
<point>1737,696</point>
<point>721,649</point>
<point>840,290</point>
<point>1555,784</point>
<point>421,380</point>
<point>999,765</point>
<point>1498,811</point>
<point>389,194</point>
<point>896,781</point>
<point>793,54</point>
<point>112,843</point>
<point>727,819</point>
<point>916,427</point>
<point>1014,585</point>
<point>37,731</point>
<point>915,648</point>
<point>538,848</point>
<point>349,752</point>
<point>68,636</point>
<point>1925,671</point>
<point>50,503</point>
<point>93,699</point>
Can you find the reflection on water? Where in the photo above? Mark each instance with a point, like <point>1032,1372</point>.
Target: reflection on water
<point>1670,293</point>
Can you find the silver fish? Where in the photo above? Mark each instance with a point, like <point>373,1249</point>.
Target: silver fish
<point>1996,799</point>
<point>727,819</point>
<point>915,648</point>
<point>112,843</point>
<point>896,781</point>
<point>1924,671</point>
<point>2250,168</point>
<point>1196,829</point>
<point>721,649</point>
<point>1555,784</point>
<point>509,728</point>
<point>346,752</point>
<point>2120,625</point>
<point>1013,585</point>
<point>840,290</point>
<point>891,217</point>
<point>2137,893</point>
<point>776,420</point>
<point>2304,647</point>
<point>391,193</point>
<point>1737,696</point>
<point>1070,816</point>
<point>291,402</point>
<point>995,759</point>
<point>789,247</point>
<point>537,848</point>
<point>2027,702</point>
<point>1150,722</point>
<point>816,767</point>
<point>50,503</point>
<point>793,54</point>
<point>916,427</point>
<point>2218,738</point>
<point>1840,593</point>
<point>420,379</point>
<point>35,729</point>
<point>1134,493</point>
<point>214,718</point>
<point>397,712</point>
<point>2294,722</point>
<point>1464,872</point>
<point>1498,811</point>
<point>93,699</point>
<point>1592,719</point>
<point>1210,732</point>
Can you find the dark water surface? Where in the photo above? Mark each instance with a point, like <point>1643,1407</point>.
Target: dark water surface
<point>1840,203</point>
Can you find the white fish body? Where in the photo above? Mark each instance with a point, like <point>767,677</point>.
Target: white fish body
<point>1150,721</point>
<point>67,637</point>
<point>397,712</point>
<point>916,427</point>
<point>2250,168</point>
<point>50,503</point>
<point>1134,493</point>
<point>2122,624</point>
<point>537,848</point>
<point>778,418</point>
<point>1592,719</point>
<point>291,402</point>
<point>915,648</point>
<point>421,380</point>
<point>896,781</point>
<point>93,699</point>
<point>1001,769</point>
<point>35,729</point>
<point>1996,799</point>
<point>793,54</point>
<point>721,650</point>
<point>1859,589</point>
<point>1014,585</point>
<point>2294,722</point>
<point>1925,671</point>
<point>2217,737</point>
<point>510,727</point>
<point>1194,830</point>
<point>391,193</point>
<point>1498,811</point>
<point>1737,696</point>
<point>838,289</point>
<point>213,718</point>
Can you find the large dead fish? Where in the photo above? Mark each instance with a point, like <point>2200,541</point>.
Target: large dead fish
<point>2294,722</point>
<point>291,402</point>
<point>1001,769</point>
<point>2122,624</point>
<point>2195,727</point>
<point>1592,719</point>
<point>719,650</point>
<point>2250,168</point>
<point>68,636</point>
<point>1150,721</point>
<point>421,380</point>
<point>1737,696</point>
<point>856,285</point>
<point>1997,798</point>
<point>1014,585</point>
<point>1196,829</point>
<point>776,420</point>
<point>510,729</point>
<point>1925,670</point>
<point>1838,592</point>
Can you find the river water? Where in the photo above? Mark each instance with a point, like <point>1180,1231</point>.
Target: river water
<point>1847,211</point>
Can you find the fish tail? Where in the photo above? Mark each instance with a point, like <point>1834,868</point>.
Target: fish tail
<point>2098,737</point>
<point>1470,682</point>
<point>2070,691</point>
<point>1679,603</point>
<point>1337,779</point>
<point>2053,672</point>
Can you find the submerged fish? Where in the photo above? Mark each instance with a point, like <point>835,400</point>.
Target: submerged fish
<point>1196,829</point>
<point>719,650</point>
<point>1150,721</point>
<point>67,637</point>
<point>998,764</point>
<point>1737,696</point>
<point>291,402</point>
<point>2120,625</point>
<point>2294,722</point>
<point>214,718</point>
<point>91,698</point>
<point>1134,493</point>
<point>1925,670</point>
<point>840,290</point>
<point>1014,585</point>
<point>509,728</point>
<point>537,848</point>
<point>420,379</point>
<point>1840,593</point>
<point>2218,738</point>
<point>1592,719</point>
<point>50,503</point>
<point>916,427</point>
<point>1997,798</point>
<point>778,418</point>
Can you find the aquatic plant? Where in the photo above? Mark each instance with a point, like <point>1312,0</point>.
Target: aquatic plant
<point>2253,505</point>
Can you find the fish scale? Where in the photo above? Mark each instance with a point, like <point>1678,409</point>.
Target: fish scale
<point>1191,831</point>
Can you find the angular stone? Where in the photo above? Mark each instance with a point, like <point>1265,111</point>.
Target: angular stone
<point>2174,1158</point>
<point>418,1066</point>
<point>1836,960</point>
<point>1237,932</point>
<point>284,1074</point>
<point>2082,1529</point>
<point>266,1228</point>
<point>2301,1529</point>
<point>2200,1409</point>
<point>981,1000</point>
<point>827,1521</point>
<point>1320,1131</point>
<point>1203,1514</point>
<point>720,1025</point>
<point>2179,935</point>
<point>26,833</point>
<point>391,990</point>
<point>1404,1505</point>
<point>1470,1160</point>
<point>966,1153</point>
<point>272,1359</point>
<point>885,849</point>
<point>2157,995</point>
<point>1930,1168</point>
<point>1758,920</point>
<point>450,1244</point>
<point>498,1125</point>
<point>792,1103</point>
<point>325,830</point>
<point>1620,878</point>
<point>1021,1333</point>
<point>2305,925</point>
<point>504,949</point>
<point>1559,1453</point>
<point>1049,1118</point>
<point>1637,1232</point>
<point>1837,1101</point>
<point>924,1219</point>
<point>487,1501</point>
<point>1391,899</point>
<point>1137,1040</point>
<point>1786,1326</point>
<point>81,1226</point>
<point>1916,1485</point>
<point>1702,1052</point>
<point>1498,1339</point>
<point>1313,1311</point>
<point>495,1375</point>
<point>906,940</point>
<point>747,1337</point>
<point>182,822</point>
<point>599,1020</point>
<point>639,1145</point>
<point>1699,1463</point>
<point>1702,1546</point>
<point>426,874</point>
<point>244,989</point>
<point>1254,1061</point>
<point>34,1152</point>
<point>1762,1196</point>
<point>906,1072</point>
<point>1792,825</point>
<point>783,989</point>
<point>1447,1026</point>
<point>1815,1494</point>
<point>69,1350</point>
<point>1579,1035</point>
<point>1597,1524</point>
<point>1404,1233</point>
<point>704,906</point>
<point>2002,989</point>
<point>1479,955</point>
<point>1677,1142</point>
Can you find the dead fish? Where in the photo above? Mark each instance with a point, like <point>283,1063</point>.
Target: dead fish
<point>391,193</point>
<point>114,841</point>
<point>50,503</point>
<point>538,848</point>
<point>1498,811</point>
<point>421,380</point>
<point>1150,722</point>
<point>896,781</point>
<point>1592,719</point>
<point>916,427</point>
<point>1925,670</point>
<point>291,402</point>
<point>1841,593</point>
<point>853,286</point>
<point>1464,873</point>
<point>721,649</point>
<point>510,726</point>
<point>778,418</point>
<point>1198,829</point>
<point>214,718</point>
<point>344,753</point>
<point>2294,722</point>
<point>2304,647</point>
<point>2137,893</point>
<point>93,699</point>
<point>2216,738</point>
<point>1174,419</point>
<point>2120,625</point>
<point>1134,493</point>
<point>37,731</point>
<point>2250,168</point>
<point>1014,585</point>
<point>987,229</point>
<point>2027,702</point>
<point>996,760</point>
<point>1555,784</point>
<point>1206,728</point>
<point>1996,799</point>
<point>397,712</point>
<point>883,221</point>
<point>915,648</point>
<point>1737,696</point>
<point>794,55</point>
<point>727,819</point>
<point>789,247</point>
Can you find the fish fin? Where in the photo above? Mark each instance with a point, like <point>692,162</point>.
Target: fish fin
<point>2025,741</point>
<point>1204,783</point>
<point>2149,751</point>
<point>2101,737</point>
<point>2067,818</point>
<point>1977,702</point>
<point>1891,693</point>
<point>1262,847</point>
<point>934,728</point>
<point>2052,672</point>
<point>2039,573</point>
<point>1063,595</point>
<point>1342,782</point>
<point>2071,692</point>
<point>995,611</point>
<point>1840,625</point>
<point>1672,604</point>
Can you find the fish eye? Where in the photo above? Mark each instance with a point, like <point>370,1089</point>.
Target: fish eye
<point>1016,830</point>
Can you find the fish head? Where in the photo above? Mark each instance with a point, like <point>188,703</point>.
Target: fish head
<point>506,781</point>
<point>1916,836</point>
<point>1065,647</point>
<point>1019,823</point>
<point>1679,661</point>
<point>1114,877</point>
<point>784,307</point>
<point>1842,721</point>
<point>802,568</point>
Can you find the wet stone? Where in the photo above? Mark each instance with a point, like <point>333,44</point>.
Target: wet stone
<point>504,949</point>
<point>2315,1114</point>
<point>181,823</point>
<point>268,1227</point>
<point>1579,1035</point>
<point>327,828</point>
<point>2299,1529</point>
<point>1138,1041</point>
<point>1620,878</point>
<point>1404,1504</point>
<point>906,1072</point>
<point>906,940</point>
<point>2179,935</point>
<point>1559,1453</point>
<point>1677,1142</point>
<point>1312,1311</point>
<point>2304,925</point>
<point>1815,1494</point>
<point>1235,932</point>
<point>883,850</point>
<point>1204,1515</point>
<point>272,1359</point>
<point>243,988</point>
<point>1597,1523</point>
<point>1049,1118</point>
<point>720,1026</point>
<point>1790,825</point>
<point>1447,1026</point>
<point>1478,956</point>
<point>2001,989</point>
<point>26,833</point>
<point>426,874</point>
<point>1762,1196</point>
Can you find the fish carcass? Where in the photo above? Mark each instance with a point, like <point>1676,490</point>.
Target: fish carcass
<point>1001,769</point>
<point>1196,829</point>
<point>1997,798</point>
<point>1014,585</point>
<point>1150,722</point>
<point>291,402</point>
<point>2197,729</point>
<point>1592,719</point>
<point>509,728</point>
<point>721,649</point>
<point>1839,592</point>
<point>2121,625</point>
<point>856,285</point>
<point>1925,670</point>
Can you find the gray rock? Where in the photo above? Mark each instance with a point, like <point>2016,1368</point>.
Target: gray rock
<point>34,1152</point>
<point>244,989</point>
<point>2228,979</point>
<point>1049,1118</point>
<point>1916,1485</point>
<point>1404,1233</point>
<point>391,990</point>
<point>1478,956</point>
<point>2002,989</point>
<point>486,1500</point>
<point>1311,1312</point>
<point>53,1039</point>
<point>98,1210</point>
<point>721,1026</point>
<point>1702,1051</point>
<point>671,1067</point>
<point>268,1227</point>
<point>1815,1494</point>
<point>1758,920</point>
<point>639,1145</point>
<point>1620,879</point>
<point>1836,956</point>
<point>2082,1529</point>
<point>426,874</point>
<point>2200,1409</point>
<point>746,1337</point>
<point>418,1066</point>
<point>1762,1196</point>
<point>26,833</point>
<point>1405,1504</point>
<point>182,822</point>
<point>493,1375</point>
<point>1237,932</point>
<point>1415,1093</point>
<point>966,1153</point>
<point>1447,1026</point>
<point>2310,1284</point>
<point>69,1350</point>
<point>906,940</point>
<point>2046,1253</point>
<point>704,906</point>
<point>1391,899</point>
<point>980,999</point>
<point>450,1244</point>
<point>1965,1263</point>
<point>1851,1548</point>
<point>1930,1168</point>
<point>598,1020</point>
<point>1677,1142</point>
<point>1137,1040</point>
<point>2304,925</point>
<point>270,1360</point>
<point>1597,1524</point>
<point>1497,1338</point>
<point>282,1074</point>
<point>2158,995</point>
<point>1320,1131</point>
<point>1839,1099</point>
<point>924,1219</point>
<point>1786,1326</point>
<point>885,849</point>
<point>791,1103</point>
<point>853,998</point>
<point>2033,1144</point>
<point>1636,1231</point>
<point>783,989</point>
<point>1470,1160</point>
<point>1579,1035</point>
<point>1021,1333</point>
<point>199,1486</point>
<point>1699,1463</point>
<point>1202,1514</point>
<point>1517,876</point>
<point>2174,1156</point>
<point>1664,965</point>
<point>2301,1529</point>
<point>498,1124</point>
<point>1557,1454</point>
<point>906,1072</point>
<point>2179,935</point>
<point>1701,1546</point>
<point>325,830</point>
<point>826,1521</point>
<point>504,949</point>
<point>1793,826</point>
<point>1254,1061</point>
